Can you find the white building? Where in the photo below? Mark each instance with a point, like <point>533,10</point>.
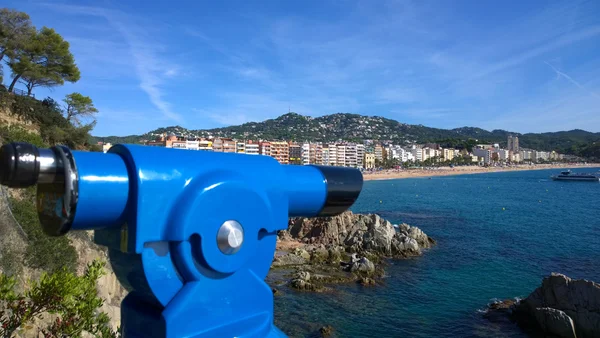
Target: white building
<point>106,146</point>
<point>252,148</point>
<point>484,154</point>
<point>325,156</point>
<point>449,154</point>
<point>205,145</point>
<point>503,155</point>
<point>341,155</point>
<point>417,154</point>
<point>192,145</point>
<point>305,153</point>
<point>240,147</point>
<point>332,154</point>
<point>360,155</point>
<point>351,160</point>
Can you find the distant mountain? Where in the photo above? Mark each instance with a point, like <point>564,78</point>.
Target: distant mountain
<point>353,127</point>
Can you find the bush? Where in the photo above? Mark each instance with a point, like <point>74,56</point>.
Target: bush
<point>15,133</point>
<point>43,252</point>
<point>47,114</point>
<point>74,299</point>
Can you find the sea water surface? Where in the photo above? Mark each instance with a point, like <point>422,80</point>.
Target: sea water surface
<point>498,235</point>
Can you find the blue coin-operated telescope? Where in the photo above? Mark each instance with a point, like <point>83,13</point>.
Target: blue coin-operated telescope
<point>191,234</point>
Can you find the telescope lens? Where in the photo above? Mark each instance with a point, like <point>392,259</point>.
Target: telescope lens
<point>343,187</point>
<point>19,167</point>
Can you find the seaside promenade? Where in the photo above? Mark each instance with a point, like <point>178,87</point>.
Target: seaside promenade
<point>462,170</point>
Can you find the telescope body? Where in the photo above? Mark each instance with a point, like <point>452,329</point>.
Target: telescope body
<point>190,234</point>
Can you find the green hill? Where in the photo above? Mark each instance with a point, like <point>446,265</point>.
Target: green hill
<point>353,127</point>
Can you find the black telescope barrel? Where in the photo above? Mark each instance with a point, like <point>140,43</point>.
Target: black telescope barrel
<point>19,165</point>
<point>343,187</point>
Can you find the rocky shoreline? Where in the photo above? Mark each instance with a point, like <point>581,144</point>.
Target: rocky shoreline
<point>314,254</point>
<point>560,307</point>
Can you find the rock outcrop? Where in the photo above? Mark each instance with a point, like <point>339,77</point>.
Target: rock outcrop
<point>359,233</point>
<point>560,307</point>
<point>345,248</point>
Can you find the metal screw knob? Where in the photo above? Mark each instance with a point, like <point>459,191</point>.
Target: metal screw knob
<point>230,237</point>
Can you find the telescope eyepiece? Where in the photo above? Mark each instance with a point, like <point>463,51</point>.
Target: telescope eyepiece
<point>19,165</point>
<point>343,188</point>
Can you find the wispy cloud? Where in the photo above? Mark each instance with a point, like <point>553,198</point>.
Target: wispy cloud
<point>149,66</point>
<point>570,79</point>
<point>423,61</point>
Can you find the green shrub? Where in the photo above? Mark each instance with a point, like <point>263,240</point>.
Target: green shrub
<point>74,299</point>
<point>43,252</point>
<point>47,114</point>
<point>15,133</point>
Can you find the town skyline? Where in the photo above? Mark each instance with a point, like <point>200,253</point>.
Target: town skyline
<point>367,155</point>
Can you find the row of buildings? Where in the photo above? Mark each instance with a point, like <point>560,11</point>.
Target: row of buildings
<point>366,155</point>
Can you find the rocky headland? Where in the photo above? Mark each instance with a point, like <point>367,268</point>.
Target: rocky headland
<point>315,253</point>
<point>560,307</point>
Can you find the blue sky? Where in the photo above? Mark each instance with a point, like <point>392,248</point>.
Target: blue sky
<point>525,66</point>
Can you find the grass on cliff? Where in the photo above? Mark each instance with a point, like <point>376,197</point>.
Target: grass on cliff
<point>43,252</point>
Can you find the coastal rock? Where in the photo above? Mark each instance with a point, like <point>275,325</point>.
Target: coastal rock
<point>561,306</point>
<point>555,322</point>
<point>363,265</point>
<point>302,281</point>
<point>288,259</point>
<point>578,299</point>
<point>359,233</point>
<point>366,281</point>
<point>326,331</point>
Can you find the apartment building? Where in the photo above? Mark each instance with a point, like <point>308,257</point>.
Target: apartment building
<point>378,152</point>
<point>525,155</point>
<point>163,141</point>
<point>325,155</point>
<point>206,145</point>
<point>192,144</point>
<point>449,154</point>
<point>306,153</point>
<point>503,155</point>
<point>360,155</point>
<point>350,155</point>
<point>280,151</point>
<point>513,143</point>
<point>332,154</point>
<point>252,148</point>
<point>295,152</point>
<point>369,160</point>
<point>224,145</point>
<point>341,155</point>
<point>240,147</point>
<point>417,154</point>
<point>265,148</point>
<point>483,155</point>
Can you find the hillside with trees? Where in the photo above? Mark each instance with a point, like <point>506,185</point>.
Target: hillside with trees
<point>353,127</point>
<point>61,298</point>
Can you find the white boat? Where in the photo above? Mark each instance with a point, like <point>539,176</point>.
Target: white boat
<point>570,176</point>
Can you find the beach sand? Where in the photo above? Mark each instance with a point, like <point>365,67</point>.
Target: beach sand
<point>447,171</point>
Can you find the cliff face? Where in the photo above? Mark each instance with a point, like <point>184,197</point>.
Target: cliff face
<point>109,288</point>
<point>13,243</point>
<point>7,118</point>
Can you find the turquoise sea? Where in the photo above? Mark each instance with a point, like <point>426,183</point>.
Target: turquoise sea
<point>498,235</point>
